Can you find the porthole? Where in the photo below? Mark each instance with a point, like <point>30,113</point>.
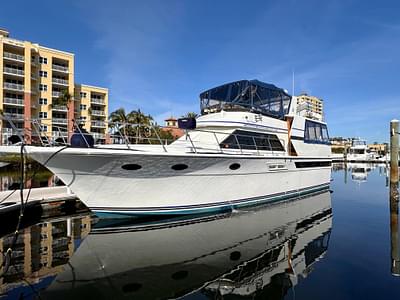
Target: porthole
<point>179,167</point>
<point>235,255</point>
<point>131,167</point>
<point>234,166</point>
<point>131,287</point>
<point>180,275</point>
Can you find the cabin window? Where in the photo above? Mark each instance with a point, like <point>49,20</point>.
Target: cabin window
<point>247,140</point>
<point>316,133</point>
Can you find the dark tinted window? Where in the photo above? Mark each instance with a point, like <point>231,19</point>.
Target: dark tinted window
<point>247,140</point>
<point>316,133</point>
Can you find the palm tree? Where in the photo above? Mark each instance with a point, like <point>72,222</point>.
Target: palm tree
<point>119,116</point>
<point>190,115</point>
<point>64,99</point>
<point>141,121</point>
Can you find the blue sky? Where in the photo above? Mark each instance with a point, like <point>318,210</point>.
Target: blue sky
<point>159,55</point>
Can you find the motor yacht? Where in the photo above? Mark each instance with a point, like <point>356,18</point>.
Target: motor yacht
<point>248,146</point>
<point>359,151</point>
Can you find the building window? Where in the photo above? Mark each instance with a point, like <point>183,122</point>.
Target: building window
<point>43,115</point>
<point>43,87</point>
<point>83,95</point>
<point>43,101</point>
<point>43,128</point>
<point>43,74</point>
<point>43,60</point>
<point>82,107</point>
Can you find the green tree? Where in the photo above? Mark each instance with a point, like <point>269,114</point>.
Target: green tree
<point>142,124</point>
<point>65,99</point>
<point>119,116</point>
<point>190,115</point>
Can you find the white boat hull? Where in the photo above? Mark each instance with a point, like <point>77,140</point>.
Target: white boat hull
<point>207,184</point>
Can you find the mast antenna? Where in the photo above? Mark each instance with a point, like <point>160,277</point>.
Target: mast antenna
<point>293,82</point>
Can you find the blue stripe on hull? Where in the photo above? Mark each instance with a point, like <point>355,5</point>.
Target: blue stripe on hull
<point>115,213</point>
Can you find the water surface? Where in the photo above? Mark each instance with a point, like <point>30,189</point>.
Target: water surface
<point>324,246</point>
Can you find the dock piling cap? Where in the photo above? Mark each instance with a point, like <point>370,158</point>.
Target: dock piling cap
<point>394,121</point>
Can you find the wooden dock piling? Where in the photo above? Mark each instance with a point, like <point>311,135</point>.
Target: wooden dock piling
<point>394,151</point>
<point>394,229</point>
<point>394,197</point>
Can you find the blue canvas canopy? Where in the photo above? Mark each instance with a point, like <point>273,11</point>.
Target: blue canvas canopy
<point>246,95</point>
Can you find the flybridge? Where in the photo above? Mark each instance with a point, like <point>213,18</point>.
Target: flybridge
<point>246,95</point>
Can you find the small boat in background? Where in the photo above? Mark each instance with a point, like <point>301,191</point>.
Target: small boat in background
<point>359,152</point>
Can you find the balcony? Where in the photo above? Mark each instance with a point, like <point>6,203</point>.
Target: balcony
<point>98,113</point>
<point>97,101</point>
<point>14,116</point>
<point>60,121</point>
<point>13,101</point>
<point>60,81</point>
<point>13,71</point>
<point>99,124</point>
<point>15,57</point>
<point>56,94</point>
<point>98,136</point>
<point>60,68</point>
<point>57,134</point>
<point>59,108</point>
<point>13,86</point>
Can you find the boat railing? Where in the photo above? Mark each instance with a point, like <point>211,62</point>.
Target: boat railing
<point>43,132</point>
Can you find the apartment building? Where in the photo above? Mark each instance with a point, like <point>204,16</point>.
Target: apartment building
<point>91,109</point>
<point>32,79</point>
<point>310,106</point>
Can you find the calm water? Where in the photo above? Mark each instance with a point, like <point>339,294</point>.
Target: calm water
<point>324,246</point>
<point>36,176</point>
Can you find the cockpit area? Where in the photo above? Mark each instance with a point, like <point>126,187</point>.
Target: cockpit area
<point>246,95</point>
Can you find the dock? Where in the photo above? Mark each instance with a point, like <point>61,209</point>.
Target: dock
<point>46,197</point>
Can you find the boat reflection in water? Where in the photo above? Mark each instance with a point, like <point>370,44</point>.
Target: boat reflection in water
<point>242,253</point>
<point>359,171</point>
